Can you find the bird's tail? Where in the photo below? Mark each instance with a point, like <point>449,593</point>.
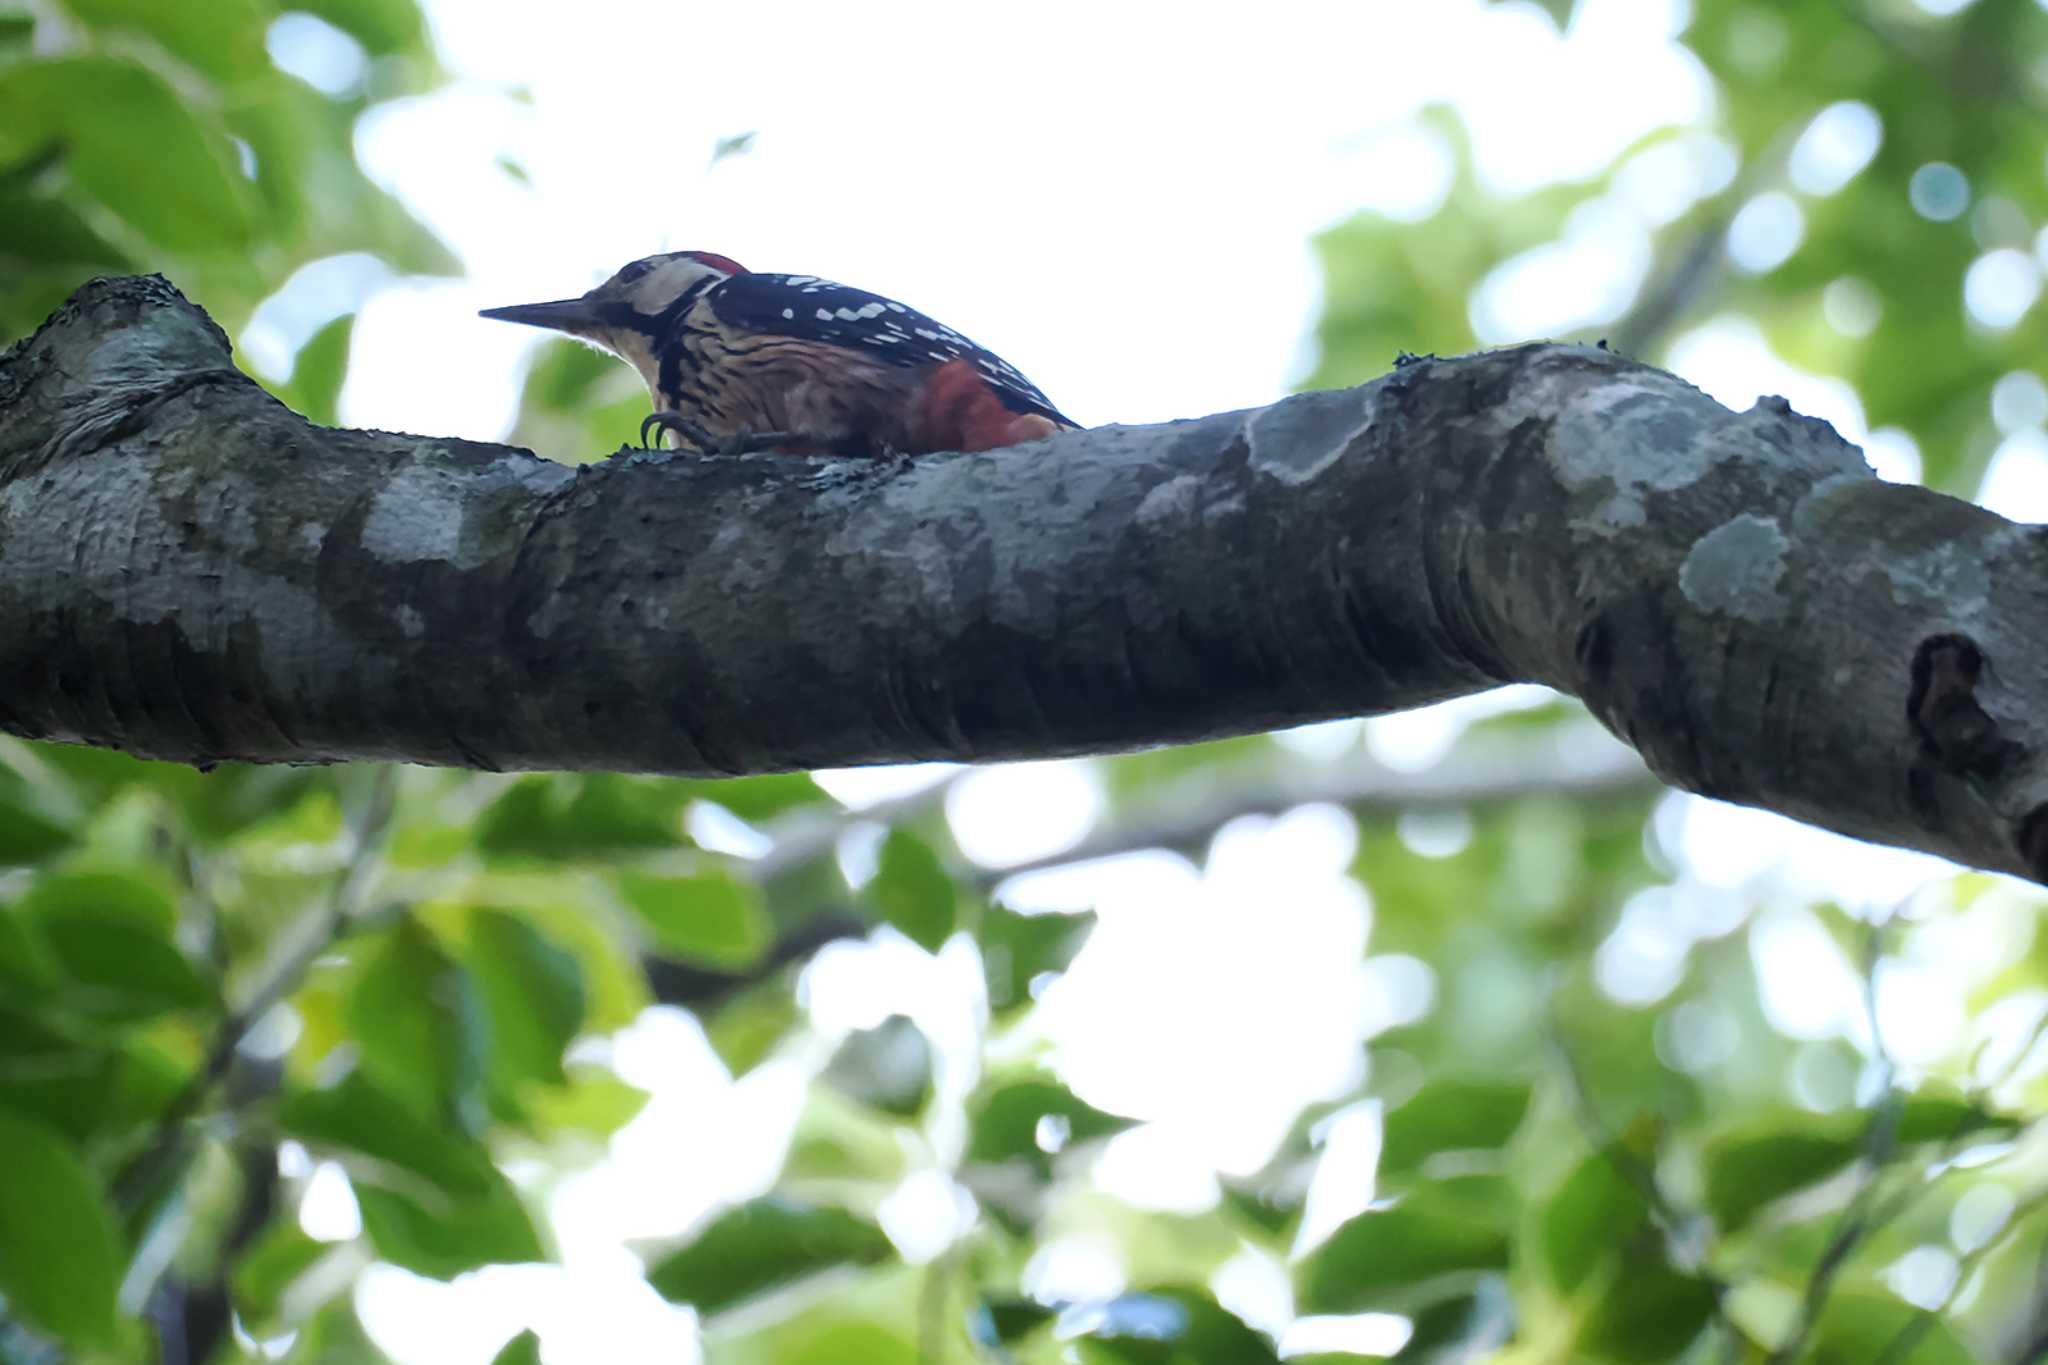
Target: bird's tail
<point>958,410</point>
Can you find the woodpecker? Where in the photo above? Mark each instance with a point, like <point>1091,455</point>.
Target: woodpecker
<point>739,360</point>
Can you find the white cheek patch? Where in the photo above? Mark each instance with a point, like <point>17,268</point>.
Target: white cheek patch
<point>666,283</point>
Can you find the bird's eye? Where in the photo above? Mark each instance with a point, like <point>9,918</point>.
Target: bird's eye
<point>634,270</point>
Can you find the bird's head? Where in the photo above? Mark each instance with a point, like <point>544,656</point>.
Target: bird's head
<point>630,313</point>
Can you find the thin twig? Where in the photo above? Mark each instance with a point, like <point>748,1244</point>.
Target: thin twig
<point>797,841</point>
<point>1584,766</point>
<point>806,835</point>
<point>1702,263</point>
<point>198,1314</point>
<point>1920,1324</point>
<point>931,1310</point>
<point>2003,88</point>
<point>2036,1349</point>
<point>1678,1226</point>
<point>1873,954</point>
<point>1849,1232</point>
<point>1627,1165</point>
<point>1643,326</point>
<point>1880,1143</point>
<point>2019,1056</point>
<point>306,941</point>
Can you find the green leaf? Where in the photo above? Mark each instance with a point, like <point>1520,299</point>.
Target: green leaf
<point>759,798</point>
<point>712,918</point>
<point>1486,1195</point>
<point>532,995</point>
<point>1649,1315</point>
<point>317,200</point>
<point>1595,1216</point>
<point>94,775</point>
<point>83,1087</point>
<point>47,1074</point>
<point>615,987</point>
<point>223,39</point>
<point>262,1274</point>
<point>1152,772</point>
<point>1268,1204</point>
<point>27,833</point>
<point>385,27</point>
<point>1032,1121</point>
<point>1460,1328</point>
<point>523,1349</point>
<point>335,1336</point>
<point>1947,1118</point>
<point>839,1145</point>
<point>576,400</point>
<point>747,1027</point>
<point>761,1245</point>
<point>178,185</point>
<point>833,1333</point>
<point>424,843</point>
<point>26,963</point>
<point>1018,949</point>
<point>567,817</point>
<point>1174,1326</point>
<point>121,971</point>
<point>569,377</point>
<point>1859,1326</point>
<point>415,1016</point>
<point>739,144</point>
<point>314,390</point>
<point>240,798</point>
<point>60,1258</point>
<point>910,889</point>
<point>139,895</point>
<point>594,1102</point>
<point>39,809</point>
<point>440,1238</point>
<point>361,1119</point>
<point>1452,1116</point>
<point>1385,1250</point>
<point>1746,1171</point>
<point>887,1067</point>
<point>1003,1321</point>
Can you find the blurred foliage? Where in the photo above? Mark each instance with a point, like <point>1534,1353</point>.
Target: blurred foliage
<point>1964,91</point>
<point>214,986</point>
<point>137,135</point>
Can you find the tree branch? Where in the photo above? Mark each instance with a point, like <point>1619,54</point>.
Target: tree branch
<point>190,571</point>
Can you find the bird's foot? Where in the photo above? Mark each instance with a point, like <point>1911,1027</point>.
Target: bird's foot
<point>680,425</point>
<point>736,443</point>
<point>748,442</point>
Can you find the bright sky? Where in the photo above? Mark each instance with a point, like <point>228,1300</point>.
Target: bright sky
<point>1120,200</point>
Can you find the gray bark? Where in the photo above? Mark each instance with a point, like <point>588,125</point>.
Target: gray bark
<point>190,571</point>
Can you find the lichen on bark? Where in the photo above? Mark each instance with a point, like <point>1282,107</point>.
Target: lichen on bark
<point>188,570</point>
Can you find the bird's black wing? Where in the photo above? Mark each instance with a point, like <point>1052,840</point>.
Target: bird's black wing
<point>812,309</point>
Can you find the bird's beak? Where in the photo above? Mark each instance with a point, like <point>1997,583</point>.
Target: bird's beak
<point>575,316</point>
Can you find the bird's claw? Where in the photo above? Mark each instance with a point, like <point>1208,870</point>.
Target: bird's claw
<point>676,422</point>
<point>738,443</point>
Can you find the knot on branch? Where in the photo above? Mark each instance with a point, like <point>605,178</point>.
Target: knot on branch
<point>1942,707</point>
